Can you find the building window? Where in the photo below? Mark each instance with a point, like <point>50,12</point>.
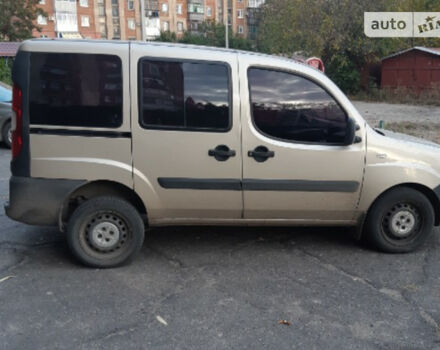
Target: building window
<point>84,3</point>
<point>190,96</point>
<point>180,26</point>
<point>289,107</point>
<point>103,30</point>
<point>57,97</point>
<point>195,8</point>
<point>179,9</point>
<point>164,7</point>
<point>208,11</point>
<point>194,26</point>
<point>166,26</point>
<point>85,21</point>
<point>116,32</point>
<point>240,30</point>
<point>240,14</point>
<point>42,2</point>
<point>101,10</point>
<point>114,2</point>
<point>115,11</point>
<point>131,24</point>
<point>130,5</point>
<point>41,20</point>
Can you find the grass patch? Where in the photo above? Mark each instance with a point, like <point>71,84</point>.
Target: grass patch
<point>427,131</point>
<point>401,95</point>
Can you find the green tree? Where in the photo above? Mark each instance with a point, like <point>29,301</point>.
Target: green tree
<point>209,34</point>
<point>5,70</point>
<point>334,30</point>
<point>18,18</point>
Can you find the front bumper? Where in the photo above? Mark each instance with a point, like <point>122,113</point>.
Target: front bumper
<point>38,201</point>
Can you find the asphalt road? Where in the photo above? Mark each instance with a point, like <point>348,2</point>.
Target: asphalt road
<point>217,288</point>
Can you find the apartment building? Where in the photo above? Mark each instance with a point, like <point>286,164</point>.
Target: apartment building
<point>90,19</point>
<point>253,17</point>
<point>118,19</point>
<point>211,12</point>
<point>67,19</point>
<point>240,24</point>
<point>85,11</point>
<point>125,19</point>
<point>173,15</point>
<point>151,19</point>
<point>46,24</point>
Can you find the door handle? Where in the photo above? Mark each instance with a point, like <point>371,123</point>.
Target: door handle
<point>221,153</point>
<point>261,154</point>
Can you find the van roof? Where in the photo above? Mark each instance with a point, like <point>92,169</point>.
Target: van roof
<point>160,43</point>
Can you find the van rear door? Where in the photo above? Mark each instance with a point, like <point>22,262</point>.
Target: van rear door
<point>79,111</point>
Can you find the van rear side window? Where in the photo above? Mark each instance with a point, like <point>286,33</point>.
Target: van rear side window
<point>191,96</point>
<point>76,90</point>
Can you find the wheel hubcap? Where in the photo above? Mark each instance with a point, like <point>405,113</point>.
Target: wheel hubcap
<point>402,223</point>
<point>105,235</point>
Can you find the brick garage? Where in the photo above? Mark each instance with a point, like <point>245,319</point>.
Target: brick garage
<point>417,69</point>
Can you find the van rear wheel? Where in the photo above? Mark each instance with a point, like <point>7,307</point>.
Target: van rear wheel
<point>105,232</point>
<point>400,221</point>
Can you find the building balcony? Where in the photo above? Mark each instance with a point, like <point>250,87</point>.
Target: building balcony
<point>151,5</point>
<point>193,16</point>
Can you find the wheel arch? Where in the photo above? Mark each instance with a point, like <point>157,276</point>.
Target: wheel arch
<point>98,188</point>
<point>425,190</point>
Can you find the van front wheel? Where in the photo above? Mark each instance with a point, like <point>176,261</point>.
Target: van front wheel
<point>400,221</point>
<point>105,232</point>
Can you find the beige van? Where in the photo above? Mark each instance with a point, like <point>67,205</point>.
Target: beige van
<point>112,137</point>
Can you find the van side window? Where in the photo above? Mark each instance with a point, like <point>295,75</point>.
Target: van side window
<point>184,96</point>
<point>292,108</point>
<point>75,90</point>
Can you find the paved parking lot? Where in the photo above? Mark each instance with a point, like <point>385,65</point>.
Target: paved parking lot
<point>217,288</point>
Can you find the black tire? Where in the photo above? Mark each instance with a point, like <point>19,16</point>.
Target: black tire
<point>399,221</point>
<point>5,134</point>
<point>105,232</point>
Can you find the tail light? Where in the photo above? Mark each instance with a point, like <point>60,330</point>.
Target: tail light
<point>17,132</point>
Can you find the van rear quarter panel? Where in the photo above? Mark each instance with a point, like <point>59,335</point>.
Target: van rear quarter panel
<point>84,157</point>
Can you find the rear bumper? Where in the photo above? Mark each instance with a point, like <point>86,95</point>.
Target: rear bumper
<point>37,201</point>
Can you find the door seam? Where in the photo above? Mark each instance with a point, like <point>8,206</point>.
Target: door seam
<point>241,133</point>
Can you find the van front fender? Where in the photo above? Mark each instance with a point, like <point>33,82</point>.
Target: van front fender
<point>382,176</point>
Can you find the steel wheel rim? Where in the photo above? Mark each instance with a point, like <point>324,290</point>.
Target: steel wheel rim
<point>97,239</point>
<point>402,223</point>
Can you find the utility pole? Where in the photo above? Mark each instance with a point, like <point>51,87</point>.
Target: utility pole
<point>226,22</point>
<point>143,31</point>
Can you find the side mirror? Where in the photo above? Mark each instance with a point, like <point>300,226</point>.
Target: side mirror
<point>350,137</point>
<point>351,132</point>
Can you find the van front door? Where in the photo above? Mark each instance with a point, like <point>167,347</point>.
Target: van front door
<point>295,165</point>
<point>186,137</point>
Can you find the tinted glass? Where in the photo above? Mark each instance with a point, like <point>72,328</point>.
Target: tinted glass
<point>76,90</point>
<point>181,95</point>
<point>290,107</point>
